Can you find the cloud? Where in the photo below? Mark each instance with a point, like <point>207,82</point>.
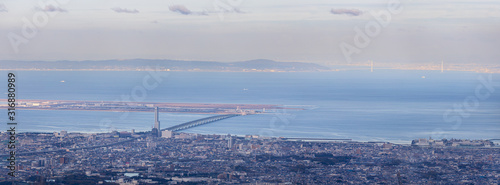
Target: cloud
<point>180,9</point>
<point>3,8</point>
<point>124,10</point>
<point>51,8</point>
<point>344,11</point>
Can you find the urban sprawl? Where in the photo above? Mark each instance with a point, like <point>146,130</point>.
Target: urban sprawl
<point>183,158</point>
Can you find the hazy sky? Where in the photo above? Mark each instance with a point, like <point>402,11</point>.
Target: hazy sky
<point>236,30</point>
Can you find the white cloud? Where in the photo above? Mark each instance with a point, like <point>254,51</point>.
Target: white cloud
<point>344,11</point>
<point>124,10</point>
<point>51,8</point>
<point>180,9</point>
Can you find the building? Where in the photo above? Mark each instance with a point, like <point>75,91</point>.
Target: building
<point>61,134</point>
<point>166,134</point>
<point>63,160</point>
<point>156,130</point>
<point>230,142</point>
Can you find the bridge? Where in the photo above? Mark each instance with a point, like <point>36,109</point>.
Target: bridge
<point>198,122</point>
<point>313,139</point>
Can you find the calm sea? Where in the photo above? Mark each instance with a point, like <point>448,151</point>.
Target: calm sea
<point>386,105</point>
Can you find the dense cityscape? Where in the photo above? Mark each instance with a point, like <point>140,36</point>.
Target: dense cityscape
<point>182,158</point>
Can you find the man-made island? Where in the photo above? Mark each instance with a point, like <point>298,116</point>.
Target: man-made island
<point>198,108</point>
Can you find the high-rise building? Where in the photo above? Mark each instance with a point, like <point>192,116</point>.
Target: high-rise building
<point>157,119</point>
<point>230,141</point>
<point>156,129</point>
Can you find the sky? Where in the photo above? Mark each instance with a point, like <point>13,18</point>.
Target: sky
<point>318,31</point>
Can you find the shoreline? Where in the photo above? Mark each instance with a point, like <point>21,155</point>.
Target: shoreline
<point>282,138</point>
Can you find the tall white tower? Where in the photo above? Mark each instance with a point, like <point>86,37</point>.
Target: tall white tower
<point>157,121</point>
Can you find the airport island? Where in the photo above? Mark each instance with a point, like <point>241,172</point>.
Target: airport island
<point>124,106</point>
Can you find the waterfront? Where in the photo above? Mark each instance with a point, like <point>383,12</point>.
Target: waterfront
<point>388,105</point>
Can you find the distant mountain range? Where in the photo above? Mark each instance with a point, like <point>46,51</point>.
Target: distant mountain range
<point>172,65</point>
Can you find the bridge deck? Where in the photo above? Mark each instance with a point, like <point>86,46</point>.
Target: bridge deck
<point>198,122</point>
